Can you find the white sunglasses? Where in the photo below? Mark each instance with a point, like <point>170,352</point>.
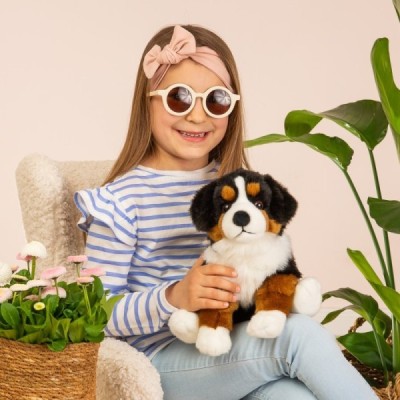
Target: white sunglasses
<point>179,99</point>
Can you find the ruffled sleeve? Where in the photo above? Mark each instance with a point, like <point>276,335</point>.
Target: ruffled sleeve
<point>102,206</point>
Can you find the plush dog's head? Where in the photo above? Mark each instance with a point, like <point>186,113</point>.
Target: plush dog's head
<point>242,205</point>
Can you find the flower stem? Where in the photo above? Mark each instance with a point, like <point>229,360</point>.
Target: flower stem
<point>33,267</point>
<point>87,301</point>
<point>78,269</point>
<point>55,285</point>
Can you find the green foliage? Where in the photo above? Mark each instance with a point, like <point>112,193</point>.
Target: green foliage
<point>62,320</point>
<point>367,120</point>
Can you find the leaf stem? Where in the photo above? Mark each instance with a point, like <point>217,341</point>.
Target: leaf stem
<point>396,346</point>
<point>380,351</point>
<point>369,225</point>
<point>392,283</point>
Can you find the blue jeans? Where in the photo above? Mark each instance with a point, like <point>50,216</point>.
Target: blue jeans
<point>303,363</point>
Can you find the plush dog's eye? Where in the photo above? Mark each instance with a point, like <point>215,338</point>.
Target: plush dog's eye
<point>226,207</point>
<point>259,204</point>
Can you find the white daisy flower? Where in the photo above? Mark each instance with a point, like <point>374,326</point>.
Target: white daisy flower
<point>59,291</point>
<point>19,287</point>
<point>34,249</point>
<point>19,277</point>
<point>38,283</point>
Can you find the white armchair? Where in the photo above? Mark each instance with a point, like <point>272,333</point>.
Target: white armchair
<point>45,189</point>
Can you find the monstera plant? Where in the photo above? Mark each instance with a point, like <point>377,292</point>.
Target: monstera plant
<point>368,120</point>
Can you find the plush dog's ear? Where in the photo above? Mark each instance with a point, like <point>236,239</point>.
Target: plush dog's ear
<point>283,205</point>
<point>202,209</point>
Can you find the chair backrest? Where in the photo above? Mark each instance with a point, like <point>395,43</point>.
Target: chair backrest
<point>45,189</point>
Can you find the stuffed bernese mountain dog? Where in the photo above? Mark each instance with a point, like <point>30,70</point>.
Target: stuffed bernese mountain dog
<point>245,214</point>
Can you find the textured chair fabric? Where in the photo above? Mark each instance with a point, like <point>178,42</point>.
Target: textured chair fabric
<point>45,190</point>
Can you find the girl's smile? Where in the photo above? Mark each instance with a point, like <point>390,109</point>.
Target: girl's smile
<point>193,135</point>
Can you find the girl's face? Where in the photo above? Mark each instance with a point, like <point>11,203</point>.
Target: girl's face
<point>184,142</point>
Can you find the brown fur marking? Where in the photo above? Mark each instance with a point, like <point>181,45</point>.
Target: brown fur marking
<point>276,293</point>
<point>273,226</point>
<point>215,233</point>
<point>228,193</point>
<point>253,188</point>
<point>215,318</point>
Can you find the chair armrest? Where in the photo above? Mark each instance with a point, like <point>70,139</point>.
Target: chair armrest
<point>124,373</point>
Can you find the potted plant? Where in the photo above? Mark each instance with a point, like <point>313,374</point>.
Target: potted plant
<point>50,330</point>
<point>368,120</point>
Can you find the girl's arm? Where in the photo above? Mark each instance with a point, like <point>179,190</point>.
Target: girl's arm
<point>136,313</point>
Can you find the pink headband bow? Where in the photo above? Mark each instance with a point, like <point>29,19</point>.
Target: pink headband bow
<point>183,45</point>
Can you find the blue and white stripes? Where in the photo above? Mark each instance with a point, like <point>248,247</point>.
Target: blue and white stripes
<point>140,231</point>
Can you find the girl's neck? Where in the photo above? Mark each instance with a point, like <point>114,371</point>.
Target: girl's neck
<point>161,164</point>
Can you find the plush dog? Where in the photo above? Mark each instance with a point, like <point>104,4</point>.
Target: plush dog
<point>245,214</point>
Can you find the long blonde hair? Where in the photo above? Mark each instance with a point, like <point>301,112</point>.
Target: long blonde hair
<point>139,141</point>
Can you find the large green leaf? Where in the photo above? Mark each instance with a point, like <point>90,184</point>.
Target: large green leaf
<point>388,91</point>
<point>363,265</point>
<point>360,300</point>
<point>271,138</point>
<point>333,147</point>
<point>390,297</point>
<point>364,305</point>
<point>386,213</point>
<point>382,322</point>
<point>363,346</point>
<point>299,123</point>
<point>364,119</point>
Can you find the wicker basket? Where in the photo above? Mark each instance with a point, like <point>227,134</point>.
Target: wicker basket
<point>376,379</point>
<point>33,372</point>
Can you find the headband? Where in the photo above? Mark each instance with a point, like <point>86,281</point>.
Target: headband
<point>182,45</point>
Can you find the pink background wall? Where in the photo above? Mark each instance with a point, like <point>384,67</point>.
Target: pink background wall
<point>67,71</point>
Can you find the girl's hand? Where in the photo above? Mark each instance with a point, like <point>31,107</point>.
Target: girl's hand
<point>204,286</point>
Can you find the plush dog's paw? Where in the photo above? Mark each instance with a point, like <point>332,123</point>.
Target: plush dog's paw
<point>184,325</point>
<point>213,342</point>
<point>307,298</point>
<point>266,324</point>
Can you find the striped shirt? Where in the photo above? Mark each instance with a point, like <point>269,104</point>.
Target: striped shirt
<point>140,231</point>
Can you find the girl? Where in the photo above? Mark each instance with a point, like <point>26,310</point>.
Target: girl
<point>186,129</point>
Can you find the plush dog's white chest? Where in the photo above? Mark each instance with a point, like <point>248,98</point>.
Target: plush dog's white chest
<point>253,262</point>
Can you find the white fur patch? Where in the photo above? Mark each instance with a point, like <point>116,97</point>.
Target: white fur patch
<point>253,261</point>
<point>307,299</point>
<point>213,342</point>
<point>266,324</point>
<point>184,325</point>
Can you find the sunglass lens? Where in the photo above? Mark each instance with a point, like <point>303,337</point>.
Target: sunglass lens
<point>179,99</point>
<point>218,101</point>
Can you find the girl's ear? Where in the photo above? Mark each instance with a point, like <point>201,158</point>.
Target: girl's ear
<point>283,205</point>
<point>202,209</point>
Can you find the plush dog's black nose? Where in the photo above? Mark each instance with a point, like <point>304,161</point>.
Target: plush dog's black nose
<point>241,218</point>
